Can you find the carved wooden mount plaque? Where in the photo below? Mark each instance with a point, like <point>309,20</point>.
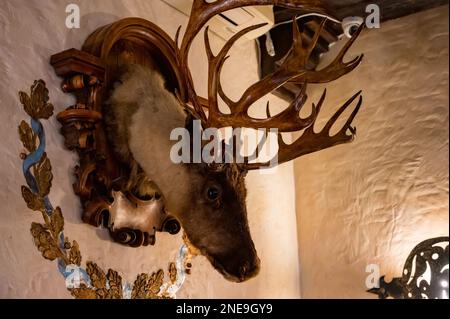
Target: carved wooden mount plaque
<point>89,74</point>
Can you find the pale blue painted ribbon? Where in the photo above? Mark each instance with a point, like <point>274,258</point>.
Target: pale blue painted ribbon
<point>32,159</point>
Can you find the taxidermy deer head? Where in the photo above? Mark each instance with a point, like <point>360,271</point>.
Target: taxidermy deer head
<point>209,198</point>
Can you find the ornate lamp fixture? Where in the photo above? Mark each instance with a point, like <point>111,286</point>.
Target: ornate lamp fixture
<point>425,274</point>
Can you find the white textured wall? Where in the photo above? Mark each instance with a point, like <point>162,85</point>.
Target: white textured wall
<point>372,201</point>
<point>368,202</point>
<point>31,31</point>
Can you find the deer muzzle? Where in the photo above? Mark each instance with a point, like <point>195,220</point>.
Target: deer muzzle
<point>236,268</point>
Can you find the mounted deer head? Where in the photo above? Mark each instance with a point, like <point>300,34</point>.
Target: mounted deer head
<point>238,248</point>
<point>209,198</point>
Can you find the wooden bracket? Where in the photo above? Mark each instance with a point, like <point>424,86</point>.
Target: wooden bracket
<point>89,74</point>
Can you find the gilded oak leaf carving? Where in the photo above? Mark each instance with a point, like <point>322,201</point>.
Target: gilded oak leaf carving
<point>37,105</point>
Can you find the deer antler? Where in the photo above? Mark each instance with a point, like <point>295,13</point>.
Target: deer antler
<point>311,142</point>
<point>293,69</point>
<point>203,11</point>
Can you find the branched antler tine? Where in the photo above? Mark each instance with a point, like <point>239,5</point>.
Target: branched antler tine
<point>351,65</point>
<point>335,69</point>
<point>296,58</point>
<point>230,42</point>
<point>259,89</point>
<point>339,112</point>
<point>292,114</point>
<point>315,39</point>
<point>203,11</point>
<point>311,142</point>
<point>292,66</point>
<point>177,36</point>
<point>349,122</point>
<point>219,68</point>
<point>198,109</point>
<point>281,141</point>
<point>309,121</point>
<point>317,108</point>
<point>255,166</point>
<point>297,42</point>
<point>225,98</point>
<point>349,44</point>
<point>268,110</point>
<point>226,48</point>
<point>302,99</point>
<point>208,49</point>
<point>289,120</point>
<point>260,145</point>
<point>215,67</point>
<point>215,89</point>
<point>213,77</point>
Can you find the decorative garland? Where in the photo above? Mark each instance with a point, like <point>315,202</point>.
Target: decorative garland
<point>84,283</point>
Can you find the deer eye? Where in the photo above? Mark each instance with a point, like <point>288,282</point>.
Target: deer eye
<point>212,193</point>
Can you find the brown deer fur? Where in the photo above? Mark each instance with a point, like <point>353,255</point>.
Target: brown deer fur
<point>141,116</point>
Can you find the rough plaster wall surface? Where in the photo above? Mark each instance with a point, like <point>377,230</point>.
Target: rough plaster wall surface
<point>31,31</point>
<point>372,201</point>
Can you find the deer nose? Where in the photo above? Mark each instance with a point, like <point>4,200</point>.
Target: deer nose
<point>249,270</point>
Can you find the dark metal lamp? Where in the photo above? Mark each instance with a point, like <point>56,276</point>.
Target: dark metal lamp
<point>425,274</point>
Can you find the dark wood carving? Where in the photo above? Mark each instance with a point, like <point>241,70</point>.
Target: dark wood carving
<point>89,75</point>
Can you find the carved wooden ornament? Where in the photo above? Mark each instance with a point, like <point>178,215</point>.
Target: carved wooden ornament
<point>89,74</point>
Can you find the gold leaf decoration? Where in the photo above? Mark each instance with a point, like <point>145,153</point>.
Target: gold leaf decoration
<point>34,202</point>
<point>102,293</point>
<point>154,284</point>
<point>115,284</point>
<point>74,254</point>
<point>146,287</point>
<point>26,102</point>
<point>96,274</point>
<point>172,272</point>
<point>57,221</point>
<point>27,137</point>
<point>83,292</point>
<point>44,241</point>
<point>140,287</point>
<point>44,176</point>
<point>37,105</point>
